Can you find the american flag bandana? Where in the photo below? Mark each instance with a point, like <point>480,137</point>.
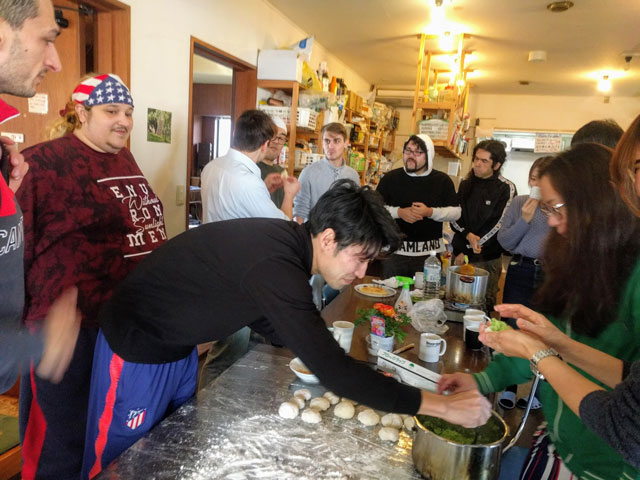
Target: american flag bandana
<point>102,89</point>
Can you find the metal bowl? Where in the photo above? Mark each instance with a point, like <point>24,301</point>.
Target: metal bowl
<point>437,458</point>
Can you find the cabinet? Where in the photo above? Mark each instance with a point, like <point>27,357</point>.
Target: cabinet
<point>293,131</point>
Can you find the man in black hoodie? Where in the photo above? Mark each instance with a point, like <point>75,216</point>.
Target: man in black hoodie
<point>484,197</point>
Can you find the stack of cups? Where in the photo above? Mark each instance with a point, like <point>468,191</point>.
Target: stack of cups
<point>472,320</point>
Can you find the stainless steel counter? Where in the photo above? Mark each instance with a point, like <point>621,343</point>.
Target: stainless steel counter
<point>233,431</point>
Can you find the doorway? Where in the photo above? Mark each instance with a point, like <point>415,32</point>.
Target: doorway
<point>221,88</point>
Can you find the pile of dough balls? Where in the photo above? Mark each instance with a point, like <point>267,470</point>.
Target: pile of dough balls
<point>344,409</point>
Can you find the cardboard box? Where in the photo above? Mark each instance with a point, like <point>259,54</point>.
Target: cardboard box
<point>279,65</point>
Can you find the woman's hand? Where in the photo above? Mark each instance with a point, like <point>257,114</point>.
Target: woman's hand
<point>513,343</point>
<point>529,209</point>
<point>535,324</point>
<point>457,383</point>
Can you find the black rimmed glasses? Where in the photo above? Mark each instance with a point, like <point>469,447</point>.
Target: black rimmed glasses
<point>279,139</point>
<point>550,210</point>
<point>413,153</point>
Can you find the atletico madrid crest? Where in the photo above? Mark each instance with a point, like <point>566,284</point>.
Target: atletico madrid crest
<point>135,418</point>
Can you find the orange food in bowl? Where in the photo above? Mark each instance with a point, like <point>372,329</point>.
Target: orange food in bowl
<point>467,269</point>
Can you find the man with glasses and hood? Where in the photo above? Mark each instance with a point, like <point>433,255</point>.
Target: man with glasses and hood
<point>420,199</point>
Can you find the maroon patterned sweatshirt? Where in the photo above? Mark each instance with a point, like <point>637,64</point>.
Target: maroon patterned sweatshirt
<point>89,219</point>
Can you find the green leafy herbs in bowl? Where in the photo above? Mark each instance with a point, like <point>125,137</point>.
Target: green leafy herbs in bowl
<point>490,432</point>
<point>393,322</point>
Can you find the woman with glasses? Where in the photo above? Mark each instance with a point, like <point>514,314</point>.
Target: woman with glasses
<point>591,293</point>
<point>523,233</point>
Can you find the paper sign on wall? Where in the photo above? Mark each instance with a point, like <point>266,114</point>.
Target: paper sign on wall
<point>39,103</point>
<point>452,168</point>
<point>548,143</point>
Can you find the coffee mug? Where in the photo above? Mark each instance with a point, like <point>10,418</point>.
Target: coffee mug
<point>471,337</point>
<point>343,333</point>
<point>473,311</point>
<point>472,320</point>
<point>418,278</point>
<point>432,347</point>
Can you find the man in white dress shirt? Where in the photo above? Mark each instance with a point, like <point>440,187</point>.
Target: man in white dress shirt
<point>232,186</point>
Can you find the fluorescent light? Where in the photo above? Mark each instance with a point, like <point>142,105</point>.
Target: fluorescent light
<point>446,41</point>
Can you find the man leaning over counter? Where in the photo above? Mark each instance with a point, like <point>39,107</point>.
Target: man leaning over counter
<point>192,290</point>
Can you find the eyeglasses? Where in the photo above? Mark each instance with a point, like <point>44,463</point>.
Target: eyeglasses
<point>415,153</point>
<point>550,210</point>
<point>279,139</point>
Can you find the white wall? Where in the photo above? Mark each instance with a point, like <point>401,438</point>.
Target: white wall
<point>546,112</point>
<point>160,40</point>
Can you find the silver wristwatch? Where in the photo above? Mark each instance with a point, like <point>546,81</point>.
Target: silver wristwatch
<point>539,355</point>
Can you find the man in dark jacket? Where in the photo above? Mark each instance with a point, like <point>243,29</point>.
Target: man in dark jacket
<point>484,197</point>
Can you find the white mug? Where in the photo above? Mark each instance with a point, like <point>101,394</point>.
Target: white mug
<point>432,347</point>
<point>473,311</point>
<point>343,333</point>
<point>419,280</point>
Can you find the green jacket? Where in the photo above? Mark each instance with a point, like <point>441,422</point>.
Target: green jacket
<point>582,451</point>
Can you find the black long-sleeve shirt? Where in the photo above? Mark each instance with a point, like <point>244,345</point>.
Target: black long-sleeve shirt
<point>484,202</point>
<point>211,281</point>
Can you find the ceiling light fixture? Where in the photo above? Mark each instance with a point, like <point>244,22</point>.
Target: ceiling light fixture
<point>604,84</point>
<point>446,42</point>
<point>537,56</point>
<point>558,7</point>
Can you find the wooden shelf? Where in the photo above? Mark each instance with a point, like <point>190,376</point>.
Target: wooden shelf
<point>279,84</point>
<point>436,105</point>
<point>444,150</point>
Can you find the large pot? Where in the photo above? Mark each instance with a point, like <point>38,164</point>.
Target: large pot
<point>466,291</point>
<point>437,458</point>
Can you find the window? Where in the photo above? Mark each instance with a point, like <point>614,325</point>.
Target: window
<point>222,136</point>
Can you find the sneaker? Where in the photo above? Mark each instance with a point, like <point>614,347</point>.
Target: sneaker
<point>535,405</point>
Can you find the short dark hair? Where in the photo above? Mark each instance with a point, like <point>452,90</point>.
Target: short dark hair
<point>495,149</point>
<point>416,140</point>
<point>335,127</point>
<point>357,216</point>
<point>16,12</point>
<point>605,132</point>
<point>253,128</point>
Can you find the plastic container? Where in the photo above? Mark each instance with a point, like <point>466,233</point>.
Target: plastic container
<point>432,269</point>
<point>404,303</point>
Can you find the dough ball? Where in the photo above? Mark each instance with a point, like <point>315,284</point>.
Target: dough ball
<point>298,401</point>
<point>320,403</point>
<point>353,402</point>
<point>344,410</point>
<point>368,418</point>
<point>284,174</point>
<point>404,416</point>
<point>309,415</point>
<point>302,392</point>
<point>288,410</point>
<point>387,433</point>
<point>391,420</point>
<point>409,423</point>
<point>332,397</point>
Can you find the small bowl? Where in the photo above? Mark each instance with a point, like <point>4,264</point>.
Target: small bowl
<point>301,370</point>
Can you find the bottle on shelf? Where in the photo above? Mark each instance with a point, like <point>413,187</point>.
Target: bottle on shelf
<point>333,86</point>
<point>325,82</point>
<point>432,269</point>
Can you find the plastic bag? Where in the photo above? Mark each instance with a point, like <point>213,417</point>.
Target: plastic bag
<point>428,316</point>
